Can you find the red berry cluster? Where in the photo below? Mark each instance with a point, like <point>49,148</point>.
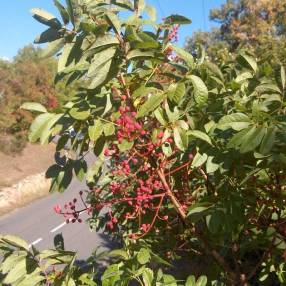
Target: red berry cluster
<point>112,222</point>
<point>129,127</point>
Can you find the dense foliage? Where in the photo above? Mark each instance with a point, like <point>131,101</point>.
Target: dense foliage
<point>190,154</point>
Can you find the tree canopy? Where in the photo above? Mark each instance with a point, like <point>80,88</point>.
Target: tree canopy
<point>255,25</point>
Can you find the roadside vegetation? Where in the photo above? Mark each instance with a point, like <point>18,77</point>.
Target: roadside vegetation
<point>27,77</point>
<point>194,140</point>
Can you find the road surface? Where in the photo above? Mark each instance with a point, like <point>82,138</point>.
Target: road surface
<point>38,224</point>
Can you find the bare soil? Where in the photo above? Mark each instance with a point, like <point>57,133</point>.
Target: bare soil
<point>22,176</point>
<point>34,159</point>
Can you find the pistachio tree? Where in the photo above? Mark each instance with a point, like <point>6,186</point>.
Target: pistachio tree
<point>189,155</point>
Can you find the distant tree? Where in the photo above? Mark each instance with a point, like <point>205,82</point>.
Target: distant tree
<point>257,25</point>
<point>28,77</point>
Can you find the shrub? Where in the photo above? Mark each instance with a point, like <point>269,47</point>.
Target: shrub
<point>190,154</point>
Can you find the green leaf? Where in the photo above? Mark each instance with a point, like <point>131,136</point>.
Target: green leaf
<point>38,126</point>
<point>176,91</point>
<point>181,139</point>
<point>236,121</point>
<point>114,22</point>
<point>187,57</point>
<point>191,281</point>
<point>52,48</point>
<point>247,61</point>
<point>202,281</point>
<point>111,275</point>
<point>64,56</point>
<point>200,90</point>
<point>151,104</point>
<point>215,221</point>
<point>200,135</point>
<point>47,129</point>
<point>63,11</point>
<point>252,139</point>
<point>160,116</point>
<point>104,42</point>
<point>80,169</point>
<point>268,141</point>
<point>143,91</point>
<point>148,277</point>
<point>143,256</point>
<point>101,76</point>
<point>268,87</point>
<point>177,19</point>
<point>87,279</point>
<point>215,70</point>
<point>79,113</point>
<point>109,129</point>
<point>167,149</point>
<point>47,36</point>
<point>18,272</point>
<point>283,77</point>
<point>95,131</point>
<point>125,145</point>
<point>10,261</point>
<point>99,60</point>
<point>237,139</point>
<point>144,41</point>
<point>151,11</point>
<point>138,54</point>
<point>211,166</point>
<point>169,280</point>
<point>202,55</point>
<point>46,18</point>
<point>198,211</point>
<point>99,146</point>
<point>243,76</point>
<point>140,5</point>
<point>119,253</point>
<point>199,159</point>
<point>32,279</point>
<point>34,106</point>
<point>94,171</point>
<point>70,11</point>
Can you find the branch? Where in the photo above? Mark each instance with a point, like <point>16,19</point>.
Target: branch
<point>173,198</point>
<point>220,260</point>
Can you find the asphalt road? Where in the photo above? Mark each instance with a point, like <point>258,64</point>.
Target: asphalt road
<point>38,224</point>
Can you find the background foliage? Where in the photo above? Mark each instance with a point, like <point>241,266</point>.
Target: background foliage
<point>257,26</point>
<point>26,78</point>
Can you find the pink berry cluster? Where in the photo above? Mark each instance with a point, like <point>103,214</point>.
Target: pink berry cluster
<point>173,36</point>
<point>70,212</point>
<point>129,127</point>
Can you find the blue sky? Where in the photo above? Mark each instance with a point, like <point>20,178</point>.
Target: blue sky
<point>18,28</point>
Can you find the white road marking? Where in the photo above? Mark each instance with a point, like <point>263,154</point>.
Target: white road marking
<point>35,242</point>
<point>58,227</point>
<point>63,224</point>
<point>52,231</point>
